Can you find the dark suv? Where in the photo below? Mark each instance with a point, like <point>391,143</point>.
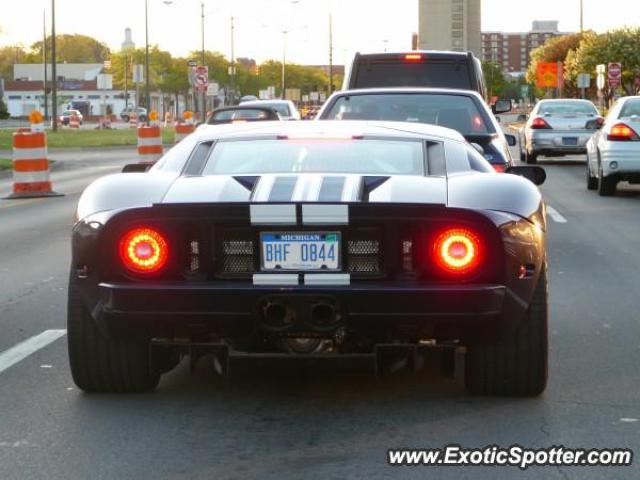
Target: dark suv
<point>434,69</point>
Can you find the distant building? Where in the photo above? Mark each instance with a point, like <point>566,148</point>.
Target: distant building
<point>450,25</point>
<point>513,50</point>
<point>64,71</point>
<point>128,41</point>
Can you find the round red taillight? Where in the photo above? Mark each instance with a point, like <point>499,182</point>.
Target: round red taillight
<point>144,250</point>
<point>457,250</point>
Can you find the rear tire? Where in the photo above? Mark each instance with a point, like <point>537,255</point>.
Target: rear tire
<point>532,158</point>
<point>515,363</point>
<point>523,153</point>
<point>592,182</point>
<point>101,364</point>
<point>606,185</point>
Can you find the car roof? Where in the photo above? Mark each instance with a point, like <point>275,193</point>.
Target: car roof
<point>564,100</point>
<point>412,90</point>
<point>263,102</point>
<point>327,129</point>
<point>433,53</point>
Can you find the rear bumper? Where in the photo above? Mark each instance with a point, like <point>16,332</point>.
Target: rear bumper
<point>556,142</point>
<point>232,309</point>
<point>625,156</point>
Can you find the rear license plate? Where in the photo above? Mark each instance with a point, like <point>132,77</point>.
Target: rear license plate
<point>570,141</point>
<point>300,250</point>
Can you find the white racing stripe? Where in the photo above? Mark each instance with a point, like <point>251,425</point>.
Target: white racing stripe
<point>555,215</point>
<point>22,350</point>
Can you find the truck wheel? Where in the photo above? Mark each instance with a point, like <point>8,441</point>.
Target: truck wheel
<point>514,363</point>
<point>532,158</point>
<point>100,364</point>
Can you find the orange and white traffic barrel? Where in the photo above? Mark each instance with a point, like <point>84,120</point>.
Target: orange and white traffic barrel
<point>31,176</point>
<point>183,129</point>
<point>37,121</point>
<point>149,144</point>
<point>133,120</point>
<point>74,121</point>
<point>187,116</point>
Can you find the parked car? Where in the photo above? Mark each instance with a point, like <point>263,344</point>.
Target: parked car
<point>461,110</point>
<point>556,128</point>
<point>242,113</point>
<point>613,152</point>
<point>65,116</point>
<point>141,112</point>
<point>311,241</point>
<point>285,108</point>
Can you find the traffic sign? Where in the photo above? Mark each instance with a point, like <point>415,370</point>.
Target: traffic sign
<point>584,80</point>
<point>193,63</point>
<point>615,74</point>
<point>601,68</point>
<point>600,81</point>
<point>200,78</point>
<point>524,91</point>
<point>549,74</point>
<point>138,74</point>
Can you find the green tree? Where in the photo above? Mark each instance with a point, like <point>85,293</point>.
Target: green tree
<point>556,49</point>
<point>4,111</point>
<point>494,78</point>
<point>619,45</point>
<point>71,49</point>
<point>8,56</point>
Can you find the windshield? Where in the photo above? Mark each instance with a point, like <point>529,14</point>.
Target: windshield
<point>452,111</point>
<point>567,108</point>
<point>368,156</point>
<point>445,74</point>
<point>224,115</point>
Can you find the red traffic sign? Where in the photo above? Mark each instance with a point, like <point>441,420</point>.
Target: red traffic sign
<point>614,71</point>
<point>200,78</point>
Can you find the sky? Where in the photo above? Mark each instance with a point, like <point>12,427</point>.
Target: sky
<point>358,25</point>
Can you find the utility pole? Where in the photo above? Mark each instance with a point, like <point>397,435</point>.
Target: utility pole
<point>44,63</point>
<point>203,97</point>
<point>54,80</point>
<point>284,61</point>
<point>330,53</point>
<point>233,65</point>
<point>581,16</point>
<point>146,58</point>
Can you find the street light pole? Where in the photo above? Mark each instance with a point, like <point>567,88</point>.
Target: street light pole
<point>581,16</point>
<point>203,97</point>
<point>284,61</point>
<point>330,53</point>
<point>44,62</point>
<point>233,65</point>
<point>54,80</point>
<point>146,58</point>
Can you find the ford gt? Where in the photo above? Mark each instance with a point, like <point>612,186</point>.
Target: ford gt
<point>336,241</point>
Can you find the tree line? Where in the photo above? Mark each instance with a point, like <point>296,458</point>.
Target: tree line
<point>168,73</point>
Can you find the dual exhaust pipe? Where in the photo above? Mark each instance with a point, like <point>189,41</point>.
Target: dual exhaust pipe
<point>320,315</point>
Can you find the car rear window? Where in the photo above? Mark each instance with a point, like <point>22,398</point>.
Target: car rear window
<point>239,115</point>
<point>630,108</point>
<point>281,108</point>
<point>427,73</point>
<point>359,156</point>
<point>567,108</point>
<point>457,112</point>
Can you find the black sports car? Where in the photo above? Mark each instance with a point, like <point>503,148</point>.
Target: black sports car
<point>337,241</point>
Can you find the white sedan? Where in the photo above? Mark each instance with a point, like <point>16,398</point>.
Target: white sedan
<point>613,152</point>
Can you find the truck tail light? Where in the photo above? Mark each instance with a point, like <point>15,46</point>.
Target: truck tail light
<point>622,133</point>
<point>540,123</point>
<point>143,250</point>
<point>457,250</point>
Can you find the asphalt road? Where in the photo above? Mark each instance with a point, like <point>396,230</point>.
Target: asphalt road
<point>318,424</point>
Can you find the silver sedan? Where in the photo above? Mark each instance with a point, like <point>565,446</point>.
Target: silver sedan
<point>556,128</point>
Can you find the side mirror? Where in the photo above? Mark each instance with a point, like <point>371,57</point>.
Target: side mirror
<point>501,106</point>
<point>535,175</point>
<point>511,139</point>
<point>136,167</point>
<point>595,124</point>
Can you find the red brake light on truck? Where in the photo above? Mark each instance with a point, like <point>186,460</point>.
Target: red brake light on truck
<point>540,123</point>
<point>622,133</point>
<point>143,250</point>
<point>457,250</point>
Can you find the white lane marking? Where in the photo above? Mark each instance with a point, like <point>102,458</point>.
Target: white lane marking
<point>31,345</point>
<point>628,420</point>
<point>555,215</point>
